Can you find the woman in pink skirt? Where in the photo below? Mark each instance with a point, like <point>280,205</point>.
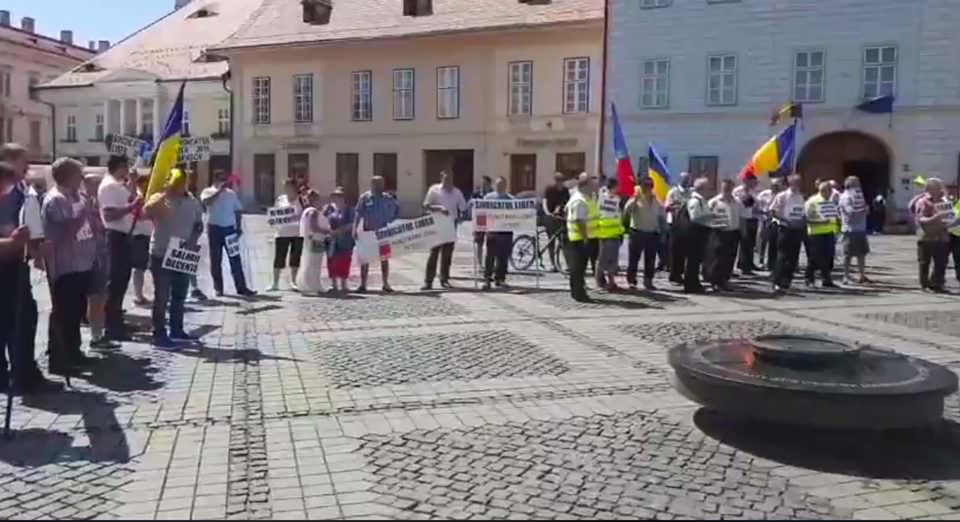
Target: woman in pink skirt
<point>340,249</point>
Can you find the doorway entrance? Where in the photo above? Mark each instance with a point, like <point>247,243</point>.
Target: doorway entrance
<point>457,162</point>
<point>837,155</point>
<point>264,178</point>
<point>523,173</point>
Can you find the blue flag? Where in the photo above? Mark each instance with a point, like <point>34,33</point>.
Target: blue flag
<point>878,105</point>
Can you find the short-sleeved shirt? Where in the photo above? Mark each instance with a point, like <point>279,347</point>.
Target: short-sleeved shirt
<point>376,211</point>
<point>452,199</point>
<point>577,209</point>
<point>748,200</point>
<point>293,229</point>
<point>727,212</point>
<point>789,208</point>
<point>699,211</point>
<point>222,212</point>
<point>71,249</point>
<point>184,215</point>
<point>937,230</point>
<point>853,211</point>
<point>556,198</point>
<point>114,193</point>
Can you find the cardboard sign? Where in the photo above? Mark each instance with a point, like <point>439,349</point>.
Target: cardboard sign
<point>859,203</point>
<point>950,214</point>
<point>182,257</point>
<point>126,146</point>
<point>795,213</point>
<point>505,215</point>
<point>232,244</point>
<point>194,149</point>
<point>828,210</point>
<point>282,216</point>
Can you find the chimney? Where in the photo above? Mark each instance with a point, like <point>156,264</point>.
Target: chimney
<point>177,4</point>
<point>103,45</point>
<point>417,7</point>
<point>317,12</point>
<point>92,45</point>
<point>66,37</point>
<point>5,18</point>
<point>27,24</point>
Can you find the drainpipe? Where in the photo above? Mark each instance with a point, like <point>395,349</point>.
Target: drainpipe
<point>223,83</point>
<point>603,89</point>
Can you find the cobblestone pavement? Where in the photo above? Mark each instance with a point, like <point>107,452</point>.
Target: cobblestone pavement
<point>464,404</point>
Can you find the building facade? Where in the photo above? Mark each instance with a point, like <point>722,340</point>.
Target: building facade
<point>28,59</point>
<point>709,73</point>
<point>129,89</point>
<point>473,88</point>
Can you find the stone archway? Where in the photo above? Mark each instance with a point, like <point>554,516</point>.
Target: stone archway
<point>836,155</point>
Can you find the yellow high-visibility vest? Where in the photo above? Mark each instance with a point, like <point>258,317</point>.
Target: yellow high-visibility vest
<point>956,212</point>
<point>822,216</point>
<point>609,221</point>
<point>593,217</point>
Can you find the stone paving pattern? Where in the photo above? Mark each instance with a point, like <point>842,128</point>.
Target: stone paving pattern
<point>463,404</point>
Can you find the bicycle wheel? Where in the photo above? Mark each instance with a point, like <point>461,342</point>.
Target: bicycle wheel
<point>523,252</point>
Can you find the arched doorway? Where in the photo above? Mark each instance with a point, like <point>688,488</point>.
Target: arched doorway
<point>837,155</point>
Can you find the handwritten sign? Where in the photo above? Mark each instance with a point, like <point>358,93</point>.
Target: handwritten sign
<point>408,237</point>
<point>505,215</point>
<point>182,257</point>
<point>282,216</point>
<point>126,146</point>
<point>194,149</point>
<point>232,243</point>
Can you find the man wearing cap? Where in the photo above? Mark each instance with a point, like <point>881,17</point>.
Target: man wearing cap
<point>225,219</point>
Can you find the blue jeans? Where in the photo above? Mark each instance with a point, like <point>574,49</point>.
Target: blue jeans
<point>216,235</point>
<point>169,287</point>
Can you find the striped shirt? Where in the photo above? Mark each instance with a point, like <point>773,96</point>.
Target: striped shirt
<point>72,248</point>
<point>376,211</point>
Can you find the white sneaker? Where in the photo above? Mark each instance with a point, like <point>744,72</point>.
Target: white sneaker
<point>273,288</point>
<point>293,286</point>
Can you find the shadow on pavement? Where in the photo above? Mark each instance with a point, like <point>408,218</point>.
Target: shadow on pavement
<point>257,309</point>
<point>108,443</point>
<point>229,355</point>
<point>928,454</point>
<point>121,372</point>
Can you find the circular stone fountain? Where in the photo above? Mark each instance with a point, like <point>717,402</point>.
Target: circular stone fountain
<point>812,380</point>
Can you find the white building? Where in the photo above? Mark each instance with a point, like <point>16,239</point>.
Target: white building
<point>128,90</point>
<point>701,78</point>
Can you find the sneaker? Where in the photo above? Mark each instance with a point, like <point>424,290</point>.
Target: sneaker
<point>104,344</point>
<point>294,287</point>
<point>162,342</point>
<point>183,337</point>
<point>199,295</point>
<point>246,292</point>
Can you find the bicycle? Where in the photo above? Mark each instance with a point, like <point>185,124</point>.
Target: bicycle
<point>524,250</point>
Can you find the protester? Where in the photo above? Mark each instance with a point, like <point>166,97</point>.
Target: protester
<point>581,226</point>
<point>140,242</point>
<point>486,187</point>
<point>375,210</point>
<point>610,235</point>
<point>788,210</point>
<point>878,213</point>
<point>499,244</point>
<point>678,219</point>
<point>118,206</point>
<point>553,204</point>
<point>821,215</point>
<point>225,219</point>
<point>177,216</point>
<point>728,214</point>
<point>697,235</point>
<point>768,227</point>
<point>287,240</point>
<point>934,214</point>
<point>340,247</point>
<point>67,219</point>
<point>20,221</point>
<point>643,217</point>
<point>853,228</point>
<point>746,196</point>
<point>446,199</point>
<point>96,291</point>
<point>315,230</point>
<point>593,243</point>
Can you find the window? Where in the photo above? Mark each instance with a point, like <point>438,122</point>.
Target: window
<point>35,135</point>
<point>576,85</point>
<point>223,121</point>
<point>521,88</point>
<point>261,100</point>
<point>704,166</point>
<point>303,98</point>
<point>146,119</point>
<point>571,164</point>
<point>185,130</point>
<point>71,135</point>
<point>879,71</point>
<point>655,84</point>
<point>362,100</point>
<point>298,165</point>
<point>808,69</point>
<point>403,94</point>
<point>649,4</point>
<point>32,82</point>
<point>347,173</point>
<point>98,127</point>
<point>385,165</point>
<point>722,80</point>
<point>448,92</point>
<point>5,74</point>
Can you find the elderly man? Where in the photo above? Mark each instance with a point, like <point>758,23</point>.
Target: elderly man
<point>118,205</point>
<point>727,211</point>
<point>934,215</point>
<point>697,234</point>
<point>375,210</point>
<point>768,228</point>
<point>788,212</point>
<point>224,220</point>
<point>96,294</point>
<point>582,215</point>
<point>643,218</point>
<point>678,221</point>
<point>498,243</point>
<point>853,228</point>
<point>446,199</point>
<point>822,215</point>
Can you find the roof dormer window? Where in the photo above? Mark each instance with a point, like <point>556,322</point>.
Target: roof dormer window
<point>317,12</point>
<point>417,7</point>
<point>204,12</point>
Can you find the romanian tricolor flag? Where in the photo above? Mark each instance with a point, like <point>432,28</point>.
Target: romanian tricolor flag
<point>625,178</point>
<point>167,148</point>
<point>776,155</point>
<point>658,172</point>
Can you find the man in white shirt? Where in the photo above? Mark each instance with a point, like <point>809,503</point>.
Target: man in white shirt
<point>768,229</point>
<point>446,199</point>
<point>697,235</point>
<point>678,222</point>
<point>225,219</point>
<point>728,213</point>
<point>788,212</point>
<point>746,195</point>
<point>118,208</point>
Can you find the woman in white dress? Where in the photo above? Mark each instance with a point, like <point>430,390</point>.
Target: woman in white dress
<point>315,229</point>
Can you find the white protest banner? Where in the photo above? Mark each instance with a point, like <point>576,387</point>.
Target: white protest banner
<point>416,235</point>
<point>194,149</point>
<point>232,243</point>
<point>182,257</point>
<point>795,213</point>
<point>609,206</point>
<point>504,215</point>
<point>281,216</point>
<point>368,250</point>
<point>828,210</point>
<point>127,146</point>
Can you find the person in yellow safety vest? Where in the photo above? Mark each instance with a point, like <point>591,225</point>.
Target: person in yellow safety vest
<point>822,216</point>
<point>955,238</point>
<point>610,234</point>
<point>582,217</point>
